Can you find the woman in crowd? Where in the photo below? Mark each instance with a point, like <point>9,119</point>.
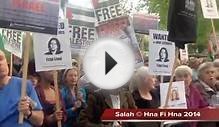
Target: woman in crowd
<point>46,94</point>
<point>193,97</point>
<point>73,96</point>
<point>207,80</point>
<point>32,74</point>
<point>144,93</point>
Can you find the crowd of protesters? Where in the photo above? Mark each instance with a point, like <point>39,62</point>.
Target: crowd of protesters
<point>82,104</point>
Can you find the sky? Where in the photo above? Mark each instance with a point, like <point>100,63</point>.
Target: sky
<point>88,4</point>
<point>83,3</point>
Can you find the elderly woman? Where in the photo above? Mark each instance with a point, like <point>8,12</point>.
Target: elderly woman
<point>193,97</point>
<point>207,80</point>
<point>145,94</point>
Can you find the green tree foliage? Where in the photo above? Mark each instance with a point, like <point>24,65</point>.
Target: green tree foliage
<point>204,25</point>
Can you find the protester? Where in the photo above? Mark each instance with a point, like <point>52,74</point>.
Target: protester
<point>73,96</point>
<point>216,65</point>
<point>32,74</point>
<point>12,103</point>
<point>207,80</point>
<point>47,96</point>
<point>105,99</point>
<point>194,64</point>
<point>145,94</point>
<point>193,97</point>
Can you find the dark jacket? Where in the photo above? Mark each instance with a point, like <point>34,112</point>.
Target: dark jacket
<point>97,103</point>
<point>142,103</point>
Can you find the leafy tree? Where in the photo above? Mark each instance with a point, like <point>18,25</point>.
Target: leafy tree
<point>204,27</point>
<point>160,7</point>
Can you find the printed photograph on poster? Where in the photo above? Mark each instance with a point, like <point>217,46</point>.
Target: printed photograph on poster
<point>122,29</point>
<point>209,9</point>
<point>82,28</point>
<point>30,15</point>
<point>54,47</point>
<point>106,10</point>
<point>161,53</point>
<point>177,98</point>
<point>13,41</point>
<point>53,52</point>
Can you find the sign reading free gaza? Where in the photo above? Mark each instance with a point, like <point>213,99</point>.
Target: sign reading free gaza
<point>30,15</point>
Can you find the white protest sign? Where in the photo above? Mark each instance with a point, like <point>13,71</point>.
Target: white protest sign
<point>13,41</point>
<point>184,55</point>
<point>106,10</point>
<point>177,95</point>
<point>53,52</point>
<point>122,29</point>
<point>82,28</point>
<point>209,9</point>
<point>161,53</point>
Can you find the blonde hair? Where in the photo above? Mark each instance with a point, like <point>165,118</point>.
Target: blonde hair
<point>139,74</point>
<point>183,69</point>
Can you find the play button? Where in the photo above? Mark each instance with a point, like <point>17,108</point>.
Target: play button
<point>109,63</point>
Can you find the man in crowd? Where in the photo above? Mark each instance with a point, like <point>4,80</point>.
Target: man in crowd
<point>12,103</point>
<point>105,99</point>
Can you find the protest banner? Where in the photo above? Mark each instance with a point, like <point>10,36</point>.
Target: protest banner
<point>209,9</point>
<point>177,97</point>
<point>82,29</point>
<point>121,29</point>
<point>182,22</point>
<point>13,41</point>
<point>52,52</point>
<point>106,10</point>
<point>161,53</point>
<point>184,54</point>
<point>142,23</point>
<point>30,15</point>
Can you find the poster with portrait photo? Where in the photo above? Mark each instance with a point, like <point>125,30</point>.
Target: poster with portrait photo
<point>177,98</point>
<point>122,29</point>
<point>52,52</point>
<point>209,9</point>
<point>161,53</point>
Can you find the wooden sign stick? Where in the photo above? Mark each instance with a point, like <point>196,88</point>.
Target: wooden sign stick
<point>171,79</point>
<point>11,64</point>
<point>79,76</point>
<point>24,74</point>
<point>214,31</point>
<point>55,78</point>
<point>161,78</point>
